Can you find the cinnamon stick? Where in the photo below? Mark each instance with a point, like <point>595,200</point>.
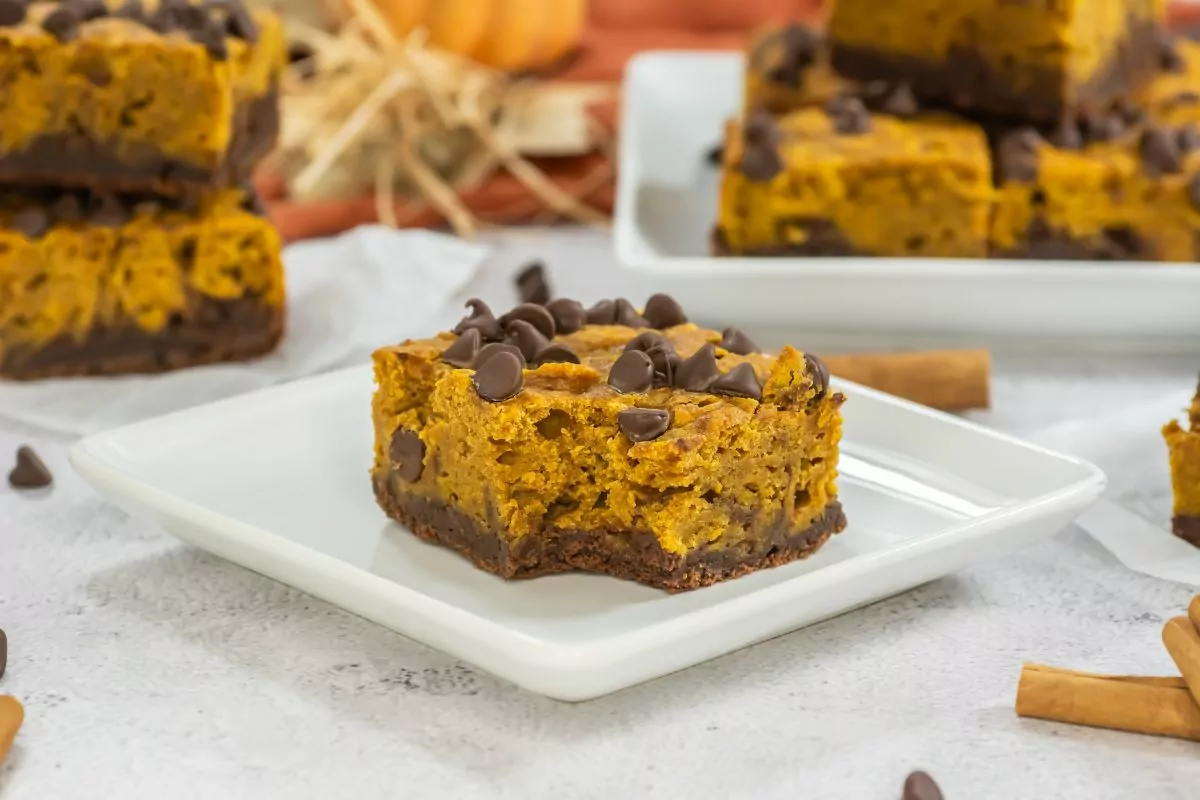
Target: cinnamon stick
<point>950,380</point>
<point>1152,706</point>
<point>12,714</point>
<point>1182,640</point>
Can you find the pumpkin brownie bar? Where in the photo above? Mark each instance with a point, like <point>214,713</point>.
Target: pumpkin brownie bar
<point>1183,446</point>
<point>102,284</point>
<point>137,98</point>
<point>1033,61</point>
<point>844,181</point>
<point>632,444</point>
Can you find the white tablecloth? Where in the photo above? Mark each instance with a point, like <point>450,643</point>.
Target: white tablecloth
<point>153,670</point>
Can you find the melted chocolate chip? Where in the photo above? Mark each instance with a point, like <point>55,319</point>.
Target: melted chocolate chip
<point>741,381</point>
<point>31,222</point>
<point>490,350</point>
<point>633,372</point>
<point>603,313</point>
<point>799,48</point>
<point>62,23</point>
<point>901,102</point>
<point>1159,152</point>
<point>643,424</point>
<point>1068,136</point>
<point>531,284</point>
<point>919,786</point>
<point>480,318</point>
<point>557,353</point>
<point>407,452</point>
<point>12,12</point>
<point>535,315</point>
<point>628,316</point>
<point>735,341</point>
<point>662,311</point>
<point>30,471</point>
<point>569,315</point>
<point>528,339</point>
<point>697,372</point>
<point>465,349</point>
<point>499,378</point>
<point>1018,160</point>
<point>761,161</point>
<point>1189,138</point>
<point>1169,58</point>
<point>819,373</point>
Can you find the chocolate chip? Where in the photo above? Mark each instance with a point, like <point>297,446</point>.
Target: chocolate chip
<point>191,18</point>
<point>90,9</point>
<point>66,208</point>
<point>464,350</point>
<point>30,472</point>
<point>919,786</point>
<point>741,381</point>
<point>212,36</point>
<point>1159,152</point>
<point>12,12</point>
<point>407,452</point>
<point>3,652</point>
<point>569,315</point>
<point>557,353</point>
<point>490,350</point>
<point>1194,192</point>
<point>799,48</point>
<point>735,341</point>
<point>628,316</point>
<point>633,372</point>
<point>1103,127</point>
<point>528,339</point>
<point>133,10</point>
<point>1067,136</point>
<point>1169,58</point>
<point>643,424</point>
<point>1189,138</point>
<point>531,284</point>
<point>819,373</point>
<point>646,340</point>
<point>603,313</point>
<point>499,378</point>
<point>901,102</point>
<point>665,361</point>
<point>662,311</point>
<point>107,211</point>
<point>31,222</point>
<point>1018,160</point>
<point>715,155</point>
<point>696,373</point>
<point>480,318</point>
<point>760,156</point>
<point>62,23</point>
<point>1129,113</point>
<point>850,116</point>
<point>535,315</point>
<point>241,24</point>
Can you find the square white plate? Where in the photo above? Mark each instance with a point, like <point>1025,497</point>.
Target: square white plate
<point>277,481</point>
<point>675,107</point>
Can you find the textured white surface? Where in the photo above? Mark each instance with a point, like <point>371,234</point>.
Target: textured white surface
<point>153,670</point>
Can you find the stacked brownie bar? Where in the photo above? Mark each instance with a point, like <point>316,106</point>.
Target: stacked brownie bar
<point>130,240</point>
<point>968,128</point>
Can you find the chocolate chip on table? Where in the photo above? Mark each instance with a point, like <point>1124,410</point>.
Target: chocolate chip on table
<point>535,315</point>
<point>737,342</point>
<point>490,350</point>
<point>407,452</point>
<point>499,378</point>
<point>633,372</point>
<point>531,284</point>
<point>662,311</point>
<point>528,339</point>
<point>481,319</point>
<point>62,23</point>
<point>557,354</point>
<point>628,316</point>
<point>464,350</point>
<point>1159,151</point>
<point>31,222</point>
<point>819,372</point>
<point>30,472</point>
<point>1169,58</point>
<point>741,381</point>
<point>603,313</point>
<point>12,12</point>
<point>761,161</point>
<point>1189,138</point>
<point>643,424</point>
<point>920,786</point>
<point>1068,136</point>
<point>900,101</point>
<point>696,373</point>
<point>569,315</point>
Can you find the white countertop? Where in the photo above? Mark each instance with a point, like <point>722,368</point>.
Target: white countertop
<point>152,670</point>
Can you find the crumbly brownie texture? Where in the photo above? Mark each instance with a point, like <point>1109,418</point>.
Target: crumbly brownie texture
<point>1183,445</point>
<point>843,180</point>
<point>100,283</point>
<point>141,97</point>
<point>787,67</point>
<point>1105,191</point>
<point>1031,61</point>
<point>611,440</point>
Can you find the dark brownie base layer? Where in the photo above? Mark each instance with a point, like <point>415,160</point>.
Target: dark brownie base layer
<point>212,331</point>
<point>630,555</point>
<point>963,80</point>
<point>77,160</point>
<point>1187,528</point>
<point>824,239</point>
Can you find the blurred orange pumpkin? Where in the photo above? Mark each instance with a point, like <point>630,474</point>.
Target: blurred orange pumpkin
<point>506,34</point>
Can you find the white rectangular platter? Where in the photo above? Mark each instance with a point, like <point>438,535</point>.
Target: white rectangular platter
<point>277,481</point>
<point>675,106</point>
